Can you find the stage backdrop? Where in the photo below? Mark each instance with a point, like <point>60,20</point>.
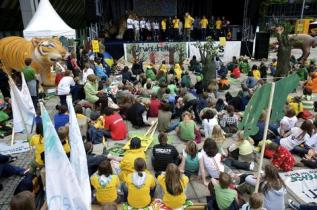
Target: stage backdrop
<point>160,8</point>
<point>302,184</point>
<point>226,52</point>
<point>171,52</point>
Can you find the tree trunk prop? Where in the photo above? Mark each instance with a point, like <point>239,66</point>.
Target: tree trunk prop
<point>283,56</point>
<point>209,73</point>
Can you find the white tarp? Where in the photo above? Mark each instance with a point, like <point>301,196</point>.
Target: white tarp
<point>47,23</point>
<point>302,184</point>
<point>22,107</point>
<point>232,48</point>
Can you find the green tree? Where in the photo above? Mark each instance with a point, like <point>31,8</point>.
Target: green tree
<point>285,43</point>
<point>208,52</point>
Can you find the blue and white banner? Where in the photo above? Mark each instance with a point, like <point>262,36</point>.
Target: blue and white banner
<point>22,107</point>
<point>78,157</point>
<point>62,189</point>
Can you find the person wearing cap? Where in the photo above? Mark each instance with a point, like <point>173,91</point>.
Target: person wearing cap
<point>127,162</point>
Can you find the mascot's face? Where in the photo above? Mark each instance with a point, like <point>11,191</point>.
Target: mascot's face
<point>48,50</point>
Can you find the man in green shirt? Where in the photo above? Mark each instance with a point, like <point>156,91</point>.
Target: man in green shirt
<point>30,78</point>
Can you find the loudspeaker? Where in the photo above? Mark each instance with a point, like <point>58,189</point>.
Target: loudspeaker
<point>246,48</point>
<point>262,42</point>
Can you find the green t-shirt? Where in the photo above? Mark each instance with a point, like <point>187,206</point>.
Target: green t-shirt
<point>187,130</point>
<point>29,73</point>
<point>224,197</point>
<point>172,88</point>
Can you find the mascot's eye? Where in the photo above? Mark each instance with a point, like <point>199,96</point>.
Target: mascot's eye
<point>50,45</point>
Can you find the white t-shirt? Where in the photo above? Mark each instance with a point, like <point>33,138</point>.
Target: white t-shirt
<point>208,126</point>
<point>287,123</point>
<point>63,87</point>
<point>312,142</point>
<point>142,24</point>
<point>213,165</point>
<point>293,140</point>
<point>136,24</point>
<point>88,72</point>
<point>130,23</point>
<point>148,26</point>
<point>156,25</point>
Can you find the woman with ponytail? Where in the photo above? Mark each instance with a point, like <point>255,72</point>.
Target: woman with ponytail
<point>140,186</point>
<point>173,185</point>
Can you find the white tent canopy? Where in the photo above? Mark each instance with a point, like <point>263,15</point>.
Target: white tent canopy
<point>47,23</point>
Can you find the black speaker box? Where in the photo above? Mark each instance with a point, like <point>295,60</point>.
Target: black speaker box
<point>246,48</point>
<point>262,42</point>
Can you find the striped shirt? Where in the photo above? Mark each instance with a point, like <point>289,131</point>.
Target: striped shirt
<point>308,102</point>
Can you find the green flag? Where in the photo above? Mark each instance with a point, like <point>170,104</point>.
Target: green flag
<point>253,111</point>
<point>260,100</point>
<point>282,88</point>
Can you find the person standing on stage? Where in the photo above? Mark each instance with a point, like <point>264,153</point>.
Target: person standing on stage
<point>218,27</point>
<point>143,29</point>
<point>156,30</point>
<point>187,26</point>
<point>130,22</point>
<point>175,28</point>
<point>203,26</point>
<point>163,29</point>
<point>148,26</point>
<point>136,26</point>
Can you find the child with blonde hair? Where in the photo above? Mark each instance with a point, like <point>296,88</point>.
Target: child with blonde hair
<point>255,202</point>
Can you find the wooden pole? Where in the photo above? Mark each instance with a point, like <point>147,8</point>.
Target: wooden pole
<point>12,136</point>
<point>266,128</point>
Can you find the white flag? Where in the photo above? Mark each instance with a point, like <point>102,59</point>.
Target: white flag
<point>62,188</point>
<point>22,107</point>
<point>78,158</point>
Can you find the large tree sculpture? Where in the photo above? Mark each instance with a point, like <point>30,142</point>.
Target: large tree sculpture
<point>285,43</point>
<point>208,52</point>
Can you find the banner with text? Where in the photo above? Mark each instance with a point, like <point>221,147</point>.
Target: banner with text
<point>302,184</point>
<point>226,52</point>
<point>171,52</point>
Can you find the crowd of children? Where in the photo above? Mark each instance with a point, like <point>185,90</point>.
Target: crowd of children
<point>175,96</point>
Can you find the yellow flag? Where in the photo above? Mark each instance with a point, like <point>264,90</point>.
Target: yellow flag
<point>222,41</point>
<point>95,46</point>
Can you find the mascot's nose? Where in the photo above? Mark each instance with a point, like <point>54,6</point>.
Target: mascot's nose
<point>63,54</point>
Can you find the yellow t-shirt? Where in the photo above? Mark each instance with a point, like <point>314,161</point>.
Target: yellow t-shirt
<point>173,201</point>
<point>203,23</point>
<point>108,193</point>
<point>218,24</point>
<point>163,67</point>
<point>66,147</point>
<point>188,21</point>
<point>140,197</point>
<point>127,163</point>
<point>297,107</point>
<point>256,74</point>
<point>99,123</point>
<point>38,142</point>
<point>163,24</point>
<point>176,23</point>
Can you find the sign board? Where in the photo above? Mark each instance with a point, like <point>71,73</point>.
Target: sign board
<point>155,53</point>
<point>95,46</point>
<point>302,184</point>
<point>18,147</point>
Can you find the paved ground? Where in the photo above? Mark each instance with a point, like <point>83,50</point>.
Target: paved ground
<point>195,191</point>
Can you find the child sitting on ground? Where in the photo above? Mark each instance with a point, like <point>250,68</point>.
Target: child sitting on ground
<point>173,185</point>
<point>255,202</point>
<point>95,129</point>
<point>282,159</point>
<point>222,196</point>
<point>63,136</point>
<point>105,183</point>
<point>223,83</point>
<point>61,118</point>
<point>140,186</point>
<point>192,160</point>
<point>308,99</point>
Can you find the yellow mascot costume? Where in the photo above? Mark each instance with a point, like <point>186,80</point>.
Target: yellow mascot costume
<point>43,51</point>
